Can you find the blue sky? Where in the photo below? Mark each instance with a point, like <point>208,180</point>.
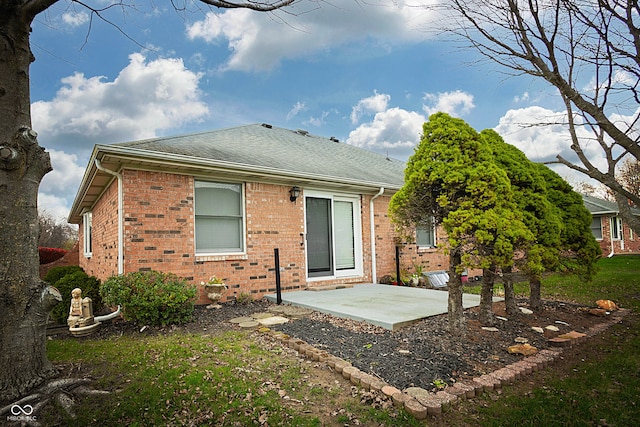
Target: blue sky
<point>368,74</point>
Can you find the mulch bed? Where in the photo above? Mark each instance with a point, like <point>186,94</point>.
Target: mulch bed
<point>423,354</point>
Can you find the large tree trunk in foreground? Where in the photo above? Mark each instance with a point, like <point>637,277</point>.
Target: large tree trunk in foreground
<point>509,293</point>
<point>486,297</point>
<point>457,325</point>
<point>25,301</point>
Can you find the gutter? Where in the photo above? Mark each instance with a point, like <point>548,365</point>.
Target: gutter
<point>372,226</point>
<point>611,239</point>
<point>120,215</point>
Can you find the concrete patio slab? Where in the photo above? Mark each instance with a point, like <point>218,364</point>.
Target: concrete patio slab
<point>390,307</point>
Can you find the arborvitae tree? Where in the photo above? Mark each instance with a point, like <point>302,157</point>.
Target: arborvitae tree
<point>453,179</point>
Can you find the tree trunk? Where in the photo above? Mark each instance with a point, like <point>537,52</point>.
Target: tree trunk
<point>25,301</point>
<point>509,293</point>
<point>535,302</point>
<point>457,325</point>
<point>486,297</point>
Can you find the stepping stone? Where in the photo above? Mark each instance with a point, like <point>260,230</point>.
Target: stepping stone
<point>241,319</point>
<point>272,320</point>
<point>248,324</point>
<point>259,316</point>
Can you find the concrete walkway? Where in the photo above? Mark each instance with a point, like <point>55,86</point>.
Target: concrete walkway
<point>390,307</point>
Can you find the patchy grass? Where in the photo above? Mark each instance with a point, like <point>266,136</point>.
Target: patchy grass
<point>184,379</point>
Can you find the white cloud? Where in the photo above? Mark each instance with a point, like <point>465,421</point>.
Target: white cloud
<point>373,104</point>
<point>523,98</point>
<point>144,99</point>
<point>75,19</point>
<point>394,132</point>
<point>543,134</point>
<point>456,103</point>
<point>59,186</point>
<point>297,108</point>
<point>260,41</point>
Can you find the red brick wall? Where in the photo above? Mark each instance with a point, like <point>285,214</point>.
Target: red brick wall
<point>104,260</point>
<point>159,235</point>
<point>630,243</point>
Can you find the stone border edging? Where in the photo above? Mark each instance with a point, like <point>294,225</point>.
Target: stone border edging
<point>420,402</point>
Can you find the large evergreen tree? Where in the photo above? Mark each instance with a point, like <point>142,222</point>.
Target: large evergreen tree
<point>453,179</point>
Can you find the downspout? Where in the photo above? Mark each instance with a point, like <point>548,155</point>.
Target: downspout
<point>120,215</point>
<point>611,238</point>
<point>374,273</point>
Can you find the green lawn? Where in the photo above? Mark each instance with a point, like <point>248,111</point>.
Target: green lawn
<point>228,379</point>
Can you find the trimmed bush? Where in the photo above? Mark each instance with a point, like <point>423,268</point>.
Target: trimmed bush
<point>76,279</point>
<point>48,255</point>
<point>57,273</point>
<point>150,297</point>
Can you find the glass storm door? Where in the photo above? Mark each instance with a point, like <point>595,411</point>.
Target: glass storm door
<point>333,248</point>
<point>319,237</point>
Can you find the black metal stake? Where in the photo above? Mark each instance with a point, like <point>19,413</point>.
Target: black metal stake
<point>398,279</point>
<point>276,255</point>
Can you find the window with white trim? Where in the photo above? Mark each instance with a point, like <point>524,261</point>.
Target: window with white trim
<point>219,218</point>
<point>616,228</point>
<point>426,235</point>
<point>596,228</point>
<point>87,227</point>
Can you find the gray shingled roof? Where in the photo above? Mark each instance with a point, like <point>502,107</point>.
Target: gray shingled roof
<point>603,207</point>
<point>285,150</point>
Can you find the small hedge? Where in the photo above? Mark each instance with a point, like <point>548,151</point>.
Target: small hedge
<point>151,297</point>
<point>68,278</point>
<point>48,255</point>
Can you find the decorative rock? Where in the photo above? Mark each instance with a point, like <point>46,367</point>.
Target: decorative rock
<point>560,322</point>
<point>404,352</point>
<point>538,329</point>
<point>524,310</point>
<point>552,328</point>
<point>600,312</point>
<point>607,305</point>
<point>575,336</point>
<point>504,319</point>
<point>521,340</point>
<point>490,329</point>
<point>560,342</point>
<point>389,390</point>
<point>414,408</point>
<point>524,349</point>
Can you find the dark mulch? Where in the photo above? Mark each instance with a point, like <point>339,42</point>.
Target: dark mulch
<point>416,355</point>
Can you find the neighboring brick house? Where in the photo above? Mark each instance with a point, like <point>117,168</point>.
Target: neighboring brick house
<point>614,236</point>
<point>219,203</point>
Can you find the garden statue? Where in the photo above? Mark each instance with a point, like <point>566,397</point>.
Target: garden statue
<point>81,320</point>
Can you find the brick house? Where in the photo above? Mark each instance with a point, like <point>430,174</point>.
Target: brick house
<point>219,203</point>
<point>614,236</point>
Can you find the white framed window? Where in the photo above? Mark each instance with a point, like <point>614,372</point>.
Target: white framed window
<point>219,218</point>
<point>87,228</point>
<point>596,228</point>
<point>616,228</point>
<point>426,235</point>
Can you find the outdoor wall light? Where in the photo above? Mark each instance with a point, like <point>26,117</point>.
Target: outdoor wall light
<point>294,193</point>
